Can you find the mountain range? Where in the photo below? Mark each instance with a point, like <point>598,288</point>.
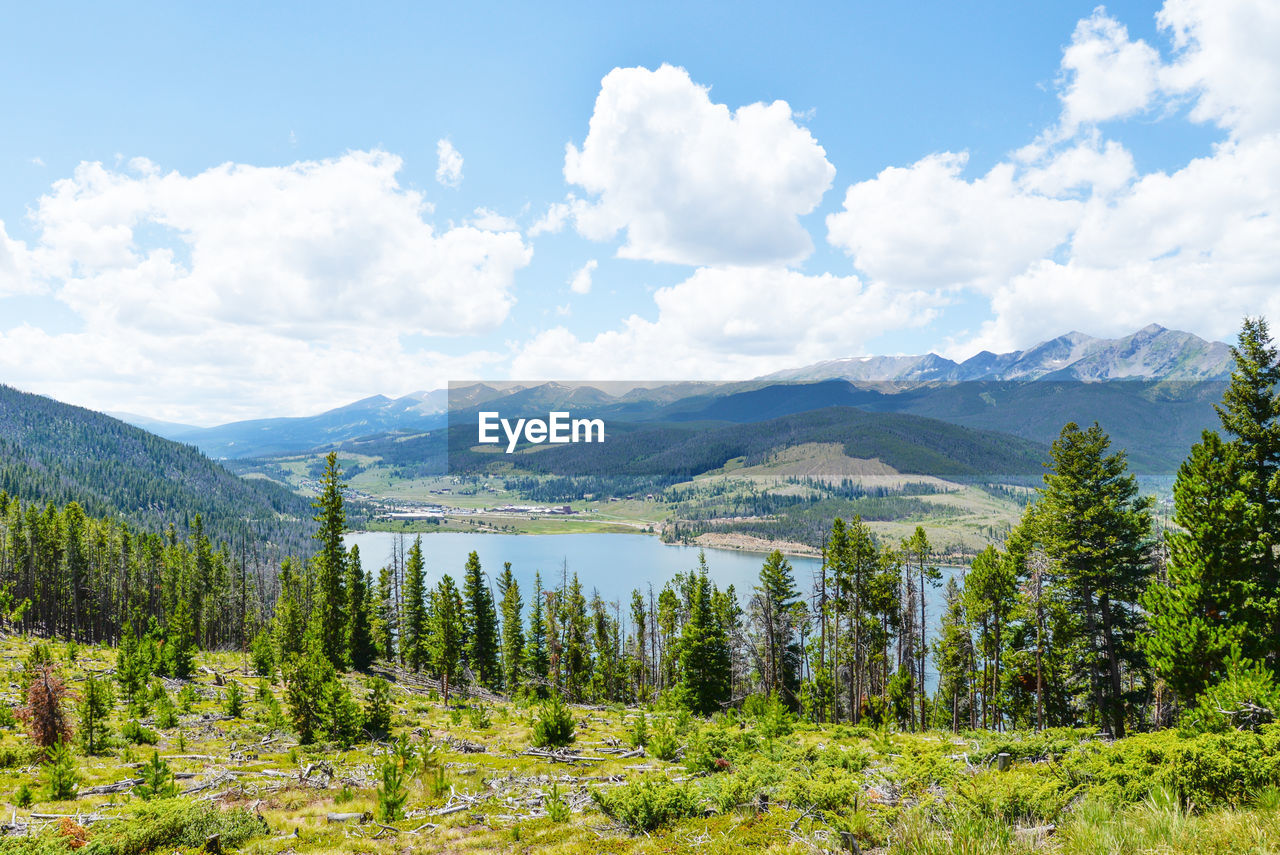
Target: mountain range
<point>1174,376</point>
<point>1151,353</point>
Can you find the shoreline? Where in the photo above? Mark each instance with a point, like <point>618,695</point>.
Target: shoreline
<point>709,540</point>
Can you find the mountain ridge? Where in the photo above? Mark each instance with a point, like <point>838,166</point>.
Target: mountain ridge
<point>1153,352</point>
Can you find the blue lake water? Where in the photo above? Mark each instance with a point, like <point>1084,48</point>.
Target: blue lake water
<point>613,564</point>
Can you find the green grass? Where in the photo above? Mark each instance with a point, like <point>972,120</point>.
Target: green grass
<point>732,789</point>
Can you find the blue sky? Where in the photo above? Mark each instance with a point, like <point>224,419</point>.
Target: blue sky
<point>227,211</point>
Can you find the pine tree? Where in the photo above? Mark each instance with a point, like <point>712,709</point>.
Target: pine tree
<point>131,671</point>
<point>61,778</point>
<point>990,593</point>
<point>704,651</point>
<point>773,608</point>
<point>918,550</point>
<point>95,710</point>
<point>180,643</point>
<point>640,635</point>
<point>414,642</point>
<point>343,719</point>
<point>360,647</point>
<point>577,645</point>
<point>1250,414</point>
<point>377,711</point>
<point>953,651</point>
<point>1098,530</point>
<point>536,661</point>
<point>512,628</point>
<point>481,625</point>
<point>1209,602</point>
<point>290,621</point>
<point>330,563</point>
<point>157,780</point>
<point>445,637</point>
<point>385,626</point>
<point>306,683</point>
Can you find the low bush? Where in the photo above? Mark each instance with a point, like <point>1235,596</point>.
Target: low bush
<point>552,725</point>
<point>647,805</point>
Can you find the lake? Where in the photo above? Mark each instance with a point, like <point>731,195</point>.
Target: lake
<point>613,564</point>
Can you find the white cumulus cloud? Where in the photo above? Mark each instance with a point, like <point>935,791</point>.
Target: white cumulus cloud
<point>731,323</point>
<point>581,281</point>
<point>448,164</point>
<point>262,278</point>
<point>689,180</point>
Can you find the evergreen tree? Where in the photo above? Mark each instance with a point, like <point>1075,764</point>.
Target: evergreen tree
<point>386,625</point>
<point>306,682</point>
<point>536,660</point>
<point>157,780</point>
<point>290,621</point>
<point>512,628</point>
<point>377,711</point>
<point>917,550</point>
<point>331,601</point>
<point>1098,530</point>
<point>704,651</point>
<point>577,644</point>
<point>414,642</point>
<point>1209,603</point>
<point>640,635</point>
<point>990,593</point>
<point>773,608</point>
<point>360,646</point>
<point>481,625</point>
<point>95,710</point>
<point>180,643</point>
<point>131,670</point>
<point>445,636</point>
<point>953,651</point>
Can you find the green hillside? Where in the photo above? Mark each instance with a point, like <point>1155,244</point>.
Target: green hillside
<point>54,452</point>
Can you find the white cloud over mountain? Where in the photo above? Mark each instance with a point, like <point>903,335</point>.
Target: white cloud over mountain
<point>729,322</point>
<point>244,290</point>
<point>280,273</point>
<point>1066,233</point>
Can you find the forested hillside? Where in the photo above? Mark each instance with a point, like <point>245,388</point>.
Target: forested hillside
<point>54,452</point>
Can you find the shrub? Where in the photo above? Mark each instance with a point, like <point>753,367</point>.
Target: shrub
<point>23,798</point>
<point>392,791</point>
<point>60,780</point>
<point>557,807</point>
<point>377,710</point>
<point>639,731</point>
<point>479,717</point>
<point>553,724</point>
<point>823,788</point>
<point>663,743</point>
<point>167,824</point>
<point>186,698</point>
<point>711,749</point>
<point>157,780</point>
<point>1205,770</point>
<point>136,734</point>
<point>13,756</point>
<point>235,700</point>
<point>1245,700</point>
<point>647,805</point>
